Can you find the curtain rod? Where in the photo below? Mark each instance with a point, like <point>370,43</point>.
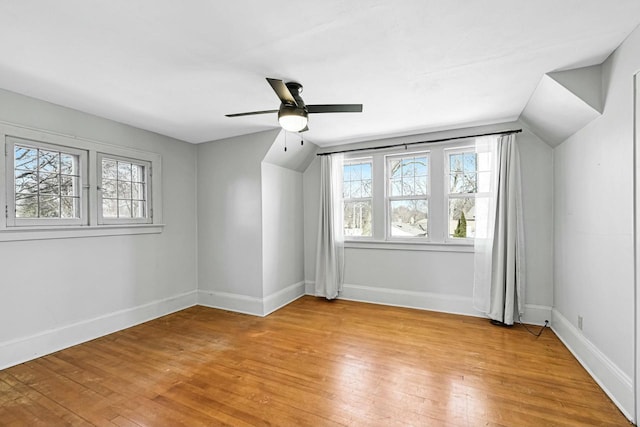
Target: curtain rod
<point>406,144</point>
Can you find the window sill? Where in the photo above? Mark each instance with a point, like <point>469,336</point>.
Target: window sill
<point>409,246</point>
<point>72,232</point>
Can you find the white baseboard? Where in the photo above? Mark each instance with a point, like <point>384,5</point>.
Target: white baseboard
<point>283,297</point>
<point>251,305</point>
<point>411,299</point>
<point>232,302</point>
<point>454,304</point>
<point>23,349</point>
<point>614,382</point>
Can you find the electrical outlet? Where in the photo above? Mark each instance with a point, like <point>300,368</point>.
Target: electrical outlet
<point>580,322</point>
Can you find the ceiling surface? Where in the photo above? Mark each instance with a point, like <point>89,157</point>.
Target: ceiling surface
<point>176,68</point>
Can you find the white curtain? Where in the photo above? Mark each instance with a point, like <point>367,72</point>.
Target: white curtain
<point>330,252</point>
<point>499,270</point>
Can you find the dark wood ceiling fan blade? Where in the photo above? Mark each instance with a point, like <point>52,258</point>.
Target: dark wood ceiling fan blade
<point>335,108</point>
<point>282,91</point>
<point>252,113</point>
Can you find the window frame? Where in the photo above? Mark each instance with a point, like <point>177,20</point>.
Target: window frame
<point>448,196</point>
<point>352,161</point>
<point>447,152</point>
<point>10,204</point>
<point>148,186</point>
<point>388,198</point>
<point>437,227</point>
<point>89,227</point>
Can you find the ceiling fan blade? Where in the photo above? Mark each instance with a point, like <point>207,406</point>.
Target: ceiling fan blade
<point>282,91</point>
<point>306,128</point>
<point>335,108</point>
<point>252,113</point>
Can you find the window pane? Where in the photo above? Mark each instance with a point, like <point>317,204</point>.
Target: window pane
<point>67,164</point>
<point>408,218</point>
<point>109,169</point>
<point>49,183</point>
<point>25,182</point>
<point>69,207</point>
<point>463,183</point>
<point>137,173</point>
<point>470,162</point>
<point>408,176</point>
<point>68,185</point>
<point>124,190</point>
<point>25,158</point>
<point>26,206</point>
<point>137,209</point>
<point>49,207</point>
<point>396,187</point>
<point>109,188</point>
<point>394,168</point>
<point>357,218</point>
<point>366,188</point>
<point>49,161</point>
<point>455,163</point>
<point>124,208</point>
<point>462,222</point>
<point>109,208</point>
<point>124,171</point>
<point>137,191</point>
<point>420,185</point>
<point>366,171</point>
<point>356,189</point>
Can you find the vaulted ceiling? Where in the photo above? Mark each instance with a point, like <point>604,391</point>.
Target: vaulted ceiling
<point>176,68</point>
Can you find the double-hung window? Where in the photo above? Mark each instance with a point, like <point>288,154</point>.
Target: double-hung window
<point>420,195</point>
<point>47,184</point>
<point>467,180</point>
<point>357,197</point>
<point>124,190</point>
<point>408,196</point>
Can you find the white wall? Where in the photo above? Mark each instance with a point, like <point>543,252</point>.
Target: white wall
<point>230,214</point>
<point>439,279</point>
<point>282,229</point>
<point>593,216</point>
<point>59,292</point>
<point>250,233</point>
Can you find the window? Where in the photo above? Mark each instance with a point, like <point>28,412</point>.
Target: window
<point>58,186</point>
<point>407,195</point>
<point>415,196</point>
<point>468,175</point>
<point>123,190</point>
<point>357,198</point>
<point>46,184</point>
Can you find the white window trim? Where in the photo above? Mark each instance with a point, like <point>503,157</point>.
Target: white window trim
<point>92,228</point>
<point>148,171</point>
<point>360,159</point>
<point>438,203</point>
<point>11,220</point>
<point>388,198</point>
<point>447,171</point>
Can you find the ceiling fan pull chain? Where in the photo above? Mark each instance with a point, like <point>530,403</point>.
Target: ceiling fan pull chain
<point>285,141</point>
<point>301,140</point>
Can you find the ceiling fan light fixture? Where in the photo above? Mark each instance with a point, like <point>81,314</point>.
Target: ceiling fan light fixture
<point>293,119</point>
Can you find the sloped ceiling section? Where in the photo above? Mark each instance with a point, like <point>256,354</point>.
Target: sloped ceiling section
<point>564,102</point>
<point>289,150</point>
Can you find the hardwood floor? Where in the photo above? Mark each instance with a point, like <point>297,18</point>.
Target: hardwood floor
<point>312,363</point>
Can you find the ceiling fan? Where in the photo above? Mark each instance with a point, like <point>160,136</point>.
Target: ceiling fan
<point>293,112</point>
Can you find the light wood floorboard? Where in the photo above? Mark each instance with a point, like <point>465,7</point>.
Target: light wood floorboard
<point>311,363</point>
